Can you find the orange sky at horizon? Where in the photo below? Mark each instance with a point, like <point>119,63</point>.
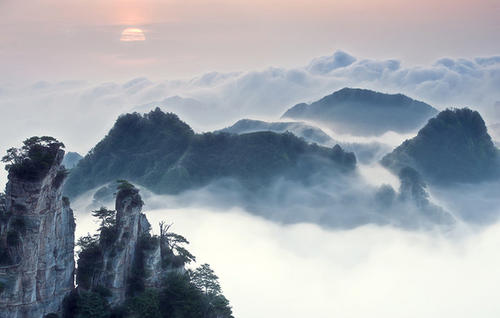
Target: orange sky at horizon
<point>192,36</point>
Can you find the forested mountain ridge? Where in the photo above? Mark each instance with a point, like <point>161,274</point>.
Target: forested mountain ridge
<point>365,152</point>
<point>364,112</point>
<point>159,151</point>
<point>454,146</point>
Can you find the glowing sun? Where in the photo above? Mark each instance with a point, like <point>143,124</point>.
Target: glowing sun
<point>132,35</point>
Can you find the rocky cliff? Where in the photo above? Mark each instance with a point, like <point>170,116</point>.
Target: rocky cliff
<point>36,244</point>
<point>126,258</point>
<point>119,258</point>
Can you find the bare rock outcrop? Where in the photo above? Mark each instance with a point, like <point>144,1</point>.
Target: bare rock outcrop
<point>36,244</point>
<point>126,258</point>
<point>118,258</point>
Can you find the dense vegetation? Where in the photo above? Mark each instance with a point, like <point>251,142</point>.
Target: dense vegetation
<point>182,293</point>
<point>365,152</point>
<point>33,160</point>
<point>364,112</point>
<point>159,151</point>
<point>453,147</point>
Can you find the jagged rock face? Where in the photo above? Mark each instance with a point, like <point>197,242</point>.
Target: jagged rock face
<point>37,237</point>
<point>119,258</point>
<point>133,255</point>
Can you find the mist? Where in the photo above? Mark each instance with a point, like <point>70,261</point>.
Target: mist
<point>268,269</point>
<point>315,233</point>
<point>80,112</point>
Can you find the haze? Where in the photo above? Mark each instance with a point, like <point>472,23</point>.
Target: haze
<point>60,40</point>
<point>70,68</point>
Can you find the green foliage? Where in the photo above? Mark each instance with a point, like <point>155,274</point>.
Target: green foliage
<point>33,160</point>
<point>89,260</point>
<point>175,243</point>
<point>182,298</point>
<point>204,278</point>
<point>144,305</point>
<point>161,152</point>
<point>175,254</point>
<point>220,306</point>
<point>124,185</point>
<point>103,291</point>
<point>452,147</point>
<point>137,147</point>
<point>92,305</point>
<point>195,294</point>
<point>70,304</point>
<point>107,229</point>
<point>87,304</point>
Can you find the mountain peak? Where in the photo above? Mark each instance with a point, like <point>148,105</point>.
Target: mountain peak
<point>454,146</point>
<point>159,151</point>
<point>364,112</point>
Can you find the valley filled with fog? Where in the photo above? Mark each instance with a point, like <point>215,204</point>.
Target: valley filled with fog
<point>385,234</point>
<point>296,270</point>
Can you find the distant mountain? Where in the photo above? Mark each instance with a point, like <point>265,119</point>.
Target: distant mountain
<point>159,151</point>
<point>364,112</point>
<point>365,152</point>
<point>453,147</point>
<point>309,133</point>
<point>71,159</point>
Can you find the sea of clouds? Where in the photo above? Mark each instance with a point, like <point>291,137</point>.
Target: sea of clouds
<point>81,112</point>
<point>300,269</point>
<point>268,269</point>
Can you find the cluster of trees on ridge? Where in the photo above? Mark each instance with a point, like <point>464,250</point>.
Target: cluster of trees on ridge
<point>159,151</point>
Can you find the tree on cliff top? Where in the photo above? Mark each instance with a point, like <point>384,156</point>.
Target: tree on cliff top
<point>34,159</point>
<point>205,279</point>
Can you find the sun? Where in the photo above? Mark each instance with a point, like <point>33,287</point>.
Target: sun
<point>132,35</point>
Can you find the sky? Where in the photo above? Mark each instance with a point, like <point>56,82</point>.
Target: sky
<point>63,40</point>
<point>69,68</point>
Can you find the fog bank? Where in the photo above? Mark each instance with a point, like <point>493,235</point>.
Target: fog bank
<point>302,270</point>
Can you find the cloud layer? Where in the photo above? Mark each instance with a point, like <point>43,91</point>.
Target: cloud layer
<point>80,112</point>
<point>302,270</point>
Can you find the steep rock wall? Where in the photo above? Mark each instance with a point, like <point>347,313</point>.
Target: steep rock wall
<point>37,241</point>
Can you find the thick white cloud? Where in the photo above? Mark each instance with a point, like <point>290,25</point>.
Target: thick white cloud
<point>326,64</point>
<point>302,270</point>
<point>81,112</point>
